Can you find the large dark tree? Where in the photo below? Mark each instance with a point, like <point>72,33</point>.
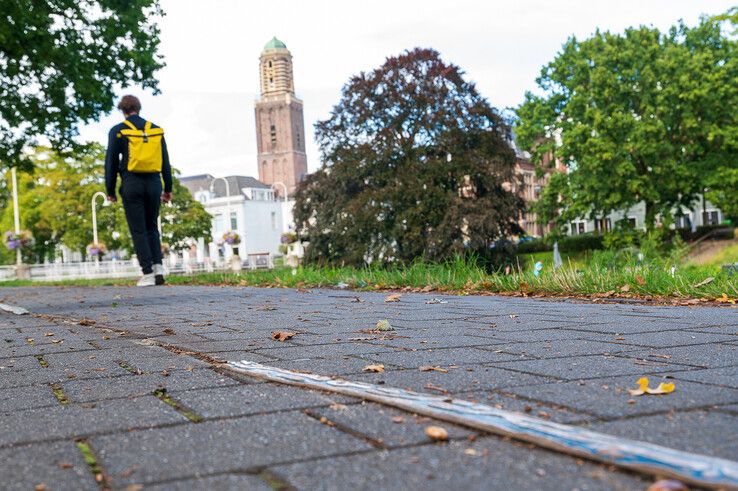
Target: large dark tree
<point>416,164</point>
<point>60,61</point>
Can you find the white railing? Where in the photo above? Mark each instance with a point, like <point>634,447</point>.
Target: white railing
<point>127,268</point>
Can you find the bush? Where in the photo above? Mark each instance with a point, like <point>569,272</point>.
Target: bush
<point>582,242</point>
<point>535,245</point>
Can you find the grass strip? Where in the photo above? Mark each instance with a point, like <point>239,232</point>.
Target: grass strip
<point>59,394</point>
<point>125,366</point>
<point>580,276</point>
<point>93,464</point>
<point>162,395</point>
<point>274,481</point>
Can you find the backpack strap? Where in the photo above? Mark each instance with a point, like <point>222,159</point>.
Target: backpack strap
<point>147,126</point>
<point>130,125</point>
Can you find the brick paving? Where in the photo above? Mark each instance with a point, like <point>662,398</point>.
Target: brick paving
<point>132,383</point>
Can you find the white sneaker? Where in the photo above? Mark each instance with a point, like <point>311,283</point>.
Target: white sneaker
<point>159,274</point>
<point>147,280</point>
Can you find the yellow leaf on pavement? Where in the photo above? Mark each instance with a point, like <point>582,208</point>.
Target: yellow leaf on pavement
<point>395,297</point>
<point>644,389</point>
<point>374,368</point>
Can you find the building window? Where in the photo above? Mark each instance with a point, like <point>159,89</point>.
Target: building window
<point>218,223</point>
<point>274,220</point>
<point>270,64</point>
<point>578,228</point>
<point>234,220</point>
<point>298,141</point>
<point>603,225</point>
<point>273,133</point>
<point>710,218</point>
<point>632,223</point>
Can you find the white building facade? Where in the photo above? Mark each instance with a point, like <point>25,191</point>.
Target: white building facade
<point>243,205</point>
<point>702,213</point>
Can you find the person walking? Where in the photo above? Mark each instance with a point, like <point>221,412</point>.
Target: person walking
<point>137,152</point>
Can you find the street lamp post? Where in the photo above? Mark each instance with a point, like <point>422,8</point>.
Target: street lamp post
<point>16,215</point>
<point>94,220</point>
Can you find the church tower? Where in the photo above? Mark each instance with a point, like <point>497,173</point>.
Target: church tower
<point>280,127</point>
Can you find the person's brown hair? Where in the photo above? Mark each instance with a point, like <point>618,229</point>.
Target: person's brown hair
<point>129,104</point>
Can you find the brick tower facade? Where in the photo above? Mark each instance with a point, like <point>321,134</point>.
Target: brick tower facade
<point>280,127</point>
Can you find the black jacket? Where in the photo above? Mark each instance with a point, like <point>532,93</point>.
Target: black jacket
<point>116,158</point>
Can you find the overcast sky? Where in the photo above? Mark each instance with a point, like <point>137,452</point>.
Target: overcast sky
<point>212,48</point>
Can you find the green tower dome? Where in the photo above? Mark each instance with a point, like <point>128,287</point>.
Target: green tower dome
<point>275,43</point>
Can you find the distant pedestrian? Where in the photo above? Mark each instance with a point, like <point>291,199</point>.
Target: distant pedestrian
<point>138,152</point>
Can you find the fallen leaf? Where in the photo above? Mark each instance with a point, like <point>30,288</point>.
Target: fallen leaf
<point>373,368</point>
<point>625,288</point>
<point>704,282</point>
<point>338,407</point>
<point>40,487</point>
<point>168,331</point>
<point>282,335</point>
<point>436,433</point>
<point>426,289</point>
<point>398,419</point>
<point>661,356</point>
<point>725,299</point>
<point>644,389</point>
<point>384,325</point>
<point>428,368</point>
<point>639,279</point>
<point>513,316</point>
<point>65,465</point>
<point>667,485</point>
<point>86,322</point>
<point>48,334</point>
<point>470,451</point>
<point>57,341</point>
<point>395,297</point>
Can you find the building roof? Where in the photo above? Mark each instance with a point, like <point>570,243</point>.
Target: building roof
<point>202,182</point>
<point>275,43</point>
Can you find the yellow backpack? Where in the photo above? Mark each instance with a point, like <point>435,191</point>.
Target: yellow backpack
<point>144,147</point>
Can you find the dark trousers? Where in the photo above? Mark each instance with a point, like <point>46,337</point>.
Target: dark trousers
<point>141,194</point>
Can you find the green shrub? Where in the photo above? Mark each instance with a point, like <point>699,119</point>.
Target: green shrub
<point>581,242</point>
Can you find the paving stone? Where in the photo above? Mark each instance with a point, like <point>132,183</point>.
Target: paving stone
<point>594,366</point>
<point>243,443</point>
<point>441,357</point>
<point>704,355</point>
<point>76,420</point>
<point>495,466</point>
<point>727,376</point>
<point>26,398</point>
<point>455,380</point>
<point>138,385</point>
<point>287,352</point>
<point>376,421</point>
<point>608,397</point>
<point>57,465</point>
<point>698,432</point>
<point>231,482</point>
<point>253,399</point>
<point>661,339</point>
<point>561,348</point>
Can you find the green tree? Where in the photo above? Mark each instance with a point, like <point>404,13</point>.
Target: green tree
<point>60,62</point>
<point>641,116</point>
<point>415,163</point>
<point>55,205</point>
<point>184,219</point>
